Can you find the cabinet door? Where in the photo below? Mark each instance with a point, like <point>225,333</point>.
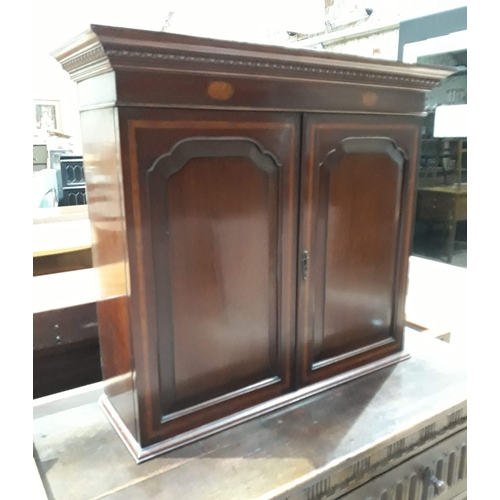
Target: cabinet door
<point>215,207</point>
<point>356,208</point>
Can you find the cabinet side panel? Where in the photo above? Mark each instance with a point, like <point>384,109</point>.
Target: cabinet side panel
<point>109,254</point>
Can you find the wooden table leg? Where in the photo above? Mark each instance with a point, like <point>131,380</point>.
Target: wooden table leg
<point>450,243</point>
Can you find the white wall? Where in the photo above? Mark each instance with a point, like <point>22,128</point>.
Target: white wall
<point>383,45</point>
<point>267,21</point>
<point>57,21</point>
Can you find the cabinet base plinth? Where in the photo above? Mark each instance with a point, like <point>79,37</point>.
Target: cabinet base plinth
<point>141,454</point>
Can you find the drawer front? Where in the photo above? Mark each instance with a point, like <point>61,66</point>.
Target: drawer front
<point>434,206</point>
<point>439,473</point>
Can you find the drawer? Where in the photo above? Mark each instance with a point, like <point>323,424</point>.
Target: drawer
<point>418,478</point>
<point>434,206</point>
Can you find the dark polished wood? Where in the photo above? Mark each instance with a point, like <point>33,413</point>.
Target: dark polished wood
<point>216,256</point>
<point>110,256</point>
<point>64,326</point>
<point>65,333</point>
<point>358,181</point>
<point>196,152</point>
<point>65,349</point>
<point>186,91</point>
<point>67,367</point>
<point>219,192</point>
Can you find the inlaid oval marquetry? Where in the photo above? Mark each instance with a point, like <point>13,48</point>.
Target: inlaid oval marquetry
<point>370,99</point>
<point>220,91</point>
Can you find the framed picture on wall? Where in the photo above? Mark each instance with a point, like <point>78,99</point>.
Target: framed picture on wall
<point>47,117</point>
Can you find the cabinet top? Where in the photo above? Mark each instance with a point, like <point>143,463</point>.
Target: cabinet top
<point>102,49</point>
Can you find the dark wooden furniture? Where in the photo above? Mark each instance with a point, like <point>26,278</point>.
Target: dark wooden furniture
<point>397,433</point>
<point>65,337</point>
<point>71,179</point>
<point>255,204</point>
<point>443,205</point>
<point>442,162</point>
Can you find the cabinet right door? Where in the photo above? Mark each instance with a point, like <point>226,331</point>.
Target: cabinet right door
<point>357,198</point>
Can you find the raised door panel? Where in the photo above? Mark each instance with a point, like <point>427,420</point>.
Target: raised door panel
<point>217,211</point>
<point>356,215</point>
<point>214,203</point>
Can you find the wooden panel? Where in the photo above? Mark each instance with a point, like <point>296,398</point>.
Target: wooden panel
<point>355,228</point>
<point>67,325</point>
<point>193,91</point>
<point>440,206</point>
<point>433,206</point>
<point>65,336</point>
<point>358,236</point>
<point>215,204</point>
<point>101,159</point>
<point>65,348</point>
<point>65,367</point>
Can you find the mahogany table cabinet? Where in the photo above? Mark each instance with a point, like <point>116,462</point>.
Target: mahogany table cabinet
<point>251,210</point>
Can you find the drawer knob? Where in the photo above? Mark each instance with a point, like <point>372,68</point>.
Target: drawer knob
<point>439,485</point>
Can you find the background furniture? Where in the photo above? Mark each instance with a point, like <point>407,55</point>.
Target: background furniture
<point>204,176</point>
<point>442,162</point>
<point>430,161</point>
<point>61,214</point>
<point>62,175</point>
<point>383,436</point>
<point>40,157</point>
<point>443,204</point>
<point>61,246</point>
<point>65,338</point>
<point>446,204</point>
<point>71,178</point>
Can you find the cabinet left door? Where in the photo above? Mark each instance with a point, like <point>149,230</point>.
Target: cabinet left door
<point>211,202</point>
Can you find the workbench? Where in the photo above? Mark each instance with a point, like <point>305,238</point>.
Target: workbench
<point>399,432</point>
